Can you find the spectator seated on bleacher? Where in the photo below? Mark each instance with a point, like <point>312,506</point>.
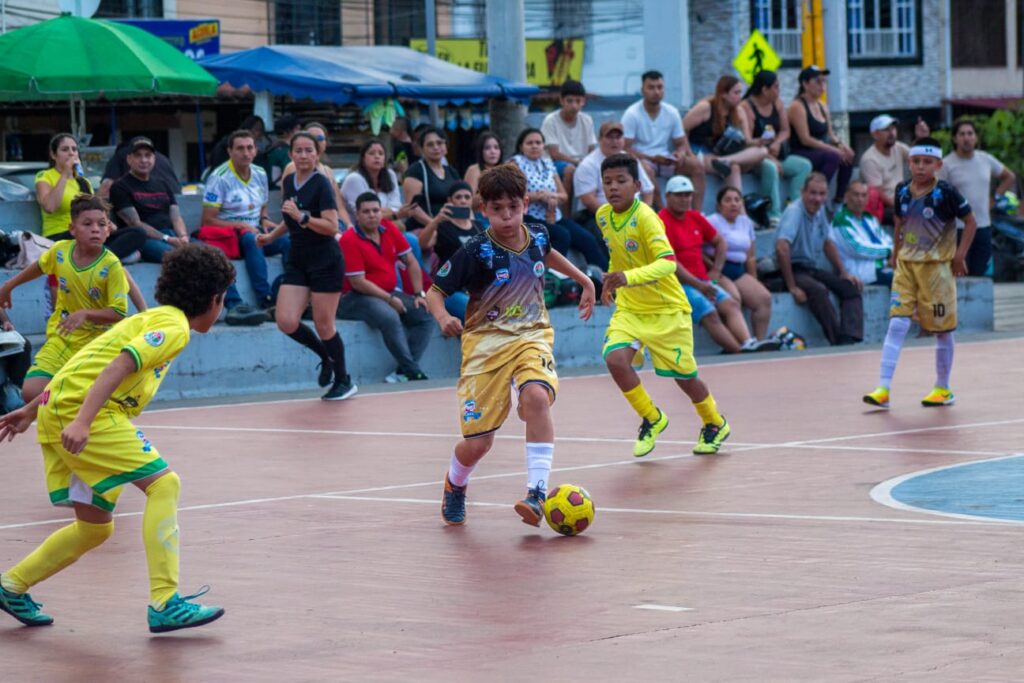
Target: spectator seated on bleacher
<point>371,174</point>
<point>372,249</point>
<point>568,132</point>
<point>813,136</point>
<point>882,164</point>
<point>587,180</point>
<point>235,202</point>
<point>546,193</point>
<point>810,266</point>
<point>142,199</point>
<point>863,245</point>
<point>711,306</point>
<point>446,232</point>
<point>720,131</point>
<point>739,272</point>
<point>118,166</point>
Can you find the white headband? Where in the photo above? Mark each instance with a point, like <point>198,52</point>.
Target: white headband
<point>926,151</point>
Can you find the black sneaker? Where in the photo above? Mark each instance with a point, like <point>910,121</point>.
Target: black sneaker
<point>246,315</point>
<point>340,390</point>
<point>769,344</point>
<point>453,503</point>
<point>326,373</point>
<point>721,168</point>
<point>414,376</point>
<point>531,508</point>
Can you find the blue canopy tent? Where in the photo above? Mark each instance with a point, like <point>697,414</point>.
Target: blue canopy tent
<point>358,75</point>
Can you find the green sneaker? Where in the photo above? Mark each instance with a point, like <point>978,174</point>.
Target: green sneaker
<point>648,434</point>
<point>180,613</point>
<point>22,607</point>
<point>711,438</point>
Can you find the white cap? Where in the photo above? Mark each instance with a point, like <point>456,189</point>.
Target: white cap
<point>881,122</point>
<point>678,183</point>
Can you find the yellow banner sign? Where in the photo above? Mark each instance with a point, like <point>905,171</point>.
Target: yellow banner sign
<point>756,55</point>
<point>548,62</point>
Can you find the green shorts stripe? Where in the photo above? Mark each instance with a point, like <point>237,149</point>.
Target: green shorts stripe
<point>38,373</point>
<point>615,347</point>
<point>675,375</point>
<point>116,480</point>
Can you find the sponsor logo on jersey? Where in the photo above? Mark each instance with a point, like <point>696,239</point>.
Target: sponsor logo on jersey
<point>445,269</point>
<point>538,268</point>
<point>632,245</point>
<point>154,338</point>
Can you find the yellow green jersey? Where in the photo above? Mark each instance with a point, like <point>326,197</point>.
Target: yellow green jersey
<point>635,239</point>
<point>153,338</point>
<point>100,284</point>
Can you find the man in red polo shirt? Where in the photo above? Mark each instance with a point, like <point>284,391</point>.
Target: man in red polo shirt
<point>711,306</point>
<point>371,291</point>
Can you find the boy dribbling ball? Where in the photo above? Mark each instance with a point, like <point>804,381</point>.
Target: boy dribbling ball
<point>928,261</point>
<point>507,339</point>
<point>651,310</point>
<point>91,449</point>
<point>92,290</point>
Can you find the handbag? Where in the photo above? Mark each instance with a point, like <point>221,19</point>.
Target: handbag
<point>730,142</point>
<point>225,239</point>
<point>30,248</point>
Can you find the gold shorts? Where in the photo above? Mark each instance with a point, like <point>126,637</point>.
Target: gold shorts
<point>487,397</point>
<point>929,288</point>
<point>112,458</point>
<point>668,337</point>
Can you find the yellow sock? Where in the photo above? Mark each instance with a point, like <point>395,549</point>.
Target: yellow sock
<point>708,411</point>
<point>61,549</point>
<point>642,403</point>
<point>160,536</point>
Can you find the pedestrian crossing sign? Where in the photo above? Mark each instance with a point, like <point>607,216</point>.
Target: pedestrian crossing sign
<point>756,55</point>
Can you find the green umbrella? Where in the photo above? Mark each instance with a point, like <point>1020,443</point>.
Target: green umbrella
<point>74,58</point>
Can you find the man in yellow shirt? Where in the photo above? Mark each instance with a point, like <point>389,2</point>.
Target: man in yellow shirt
<point>651,309</point>
<point>91,449</point>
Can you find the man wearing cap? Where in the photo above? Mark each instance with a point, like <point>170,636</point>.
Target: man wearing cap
<point>881,165</point>
<point>653,132</point>
<point>711,306</point>
<point>143,200</point>
<point>118,166</point>
<point>587,181</point>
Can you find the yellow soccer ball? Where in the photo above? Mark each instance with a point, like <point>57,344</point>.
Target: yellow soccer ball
<point>569,509</point>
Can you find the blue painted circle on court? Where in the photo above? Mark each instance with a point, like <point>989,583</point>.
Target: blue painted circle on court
<point>990,489</point>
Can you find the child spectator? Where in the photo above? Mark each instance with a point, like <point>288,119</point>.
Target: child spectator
<point>445,233</point>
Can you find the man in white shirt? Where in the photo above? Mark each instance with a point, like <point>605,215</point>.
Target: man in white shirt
<point>587,182</point>
<point>236,197</point>
<point>654,135</point>
<point>971,171</point>
<point>568,132</point>
<point>881,165</point>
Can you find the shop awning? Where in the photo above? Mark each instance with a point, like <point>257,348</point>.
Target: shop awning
<point>358,75</point>
<point>1012,102</point>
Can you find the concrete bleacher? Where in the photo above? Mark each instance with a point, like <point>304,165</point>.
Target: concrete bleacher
<point>246,360</point>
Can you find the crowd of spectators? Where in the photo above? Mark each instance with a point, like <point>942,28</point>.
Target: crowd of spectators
<point>403,209</point>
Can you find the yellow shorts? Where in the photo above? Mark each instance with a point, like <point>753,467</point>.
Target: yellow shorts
<point>112,458</point>
<point>668,337</point>
<point>929,288</point>
<point>55,352</point>
<point>487,397</point>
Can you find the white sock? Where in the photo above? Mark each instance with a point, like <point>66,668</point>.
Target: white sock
<point>458,474</point>
<point>943,359</point>
<point>898,328</point>
<point>538,464</point>
<point>749,344</point>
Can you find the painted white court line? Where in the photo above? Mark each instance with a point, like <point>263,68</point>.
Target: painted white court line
<point>664,608</point>
<point>693,513</point>
<point>448,388</point>
<point>882,493</point>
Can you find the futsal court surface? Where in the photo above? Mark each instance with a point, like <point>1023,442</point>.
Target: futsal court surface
<point>827,542</point>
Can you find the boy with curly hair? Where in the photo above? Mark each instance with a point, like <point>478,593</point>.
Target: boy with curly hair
<point>91,449</point>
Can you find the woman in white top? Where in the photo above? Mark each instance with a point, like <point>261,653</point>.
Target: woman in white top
<point>371,174</point>
<point>739,276</point>
<point>319,134</point>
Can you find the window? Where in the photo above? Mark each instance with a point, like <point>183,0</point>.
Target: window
<point>396,21</point>
<point>884,32</point>
<point>130,9</point>
<point>781,22</point>
<point>978,42</point>
<point>307,22</point>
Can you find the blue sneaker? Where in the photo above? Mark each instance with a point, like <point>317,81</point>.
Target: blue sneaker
<point>531,508</point>
<point>22,607</point>
<point>179,613</point>
<point>453,504</point>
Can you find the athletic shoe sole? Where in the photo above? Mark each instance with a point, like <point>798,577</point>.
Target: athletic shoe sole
<point>528,514</point>
<point>202,622</point>
<point>872,402</point>
<point>348,394</point>
<point>939,405</point>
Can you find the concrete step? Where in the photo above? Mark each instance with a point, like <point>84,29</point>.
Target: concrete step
<point>1009,306</point>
